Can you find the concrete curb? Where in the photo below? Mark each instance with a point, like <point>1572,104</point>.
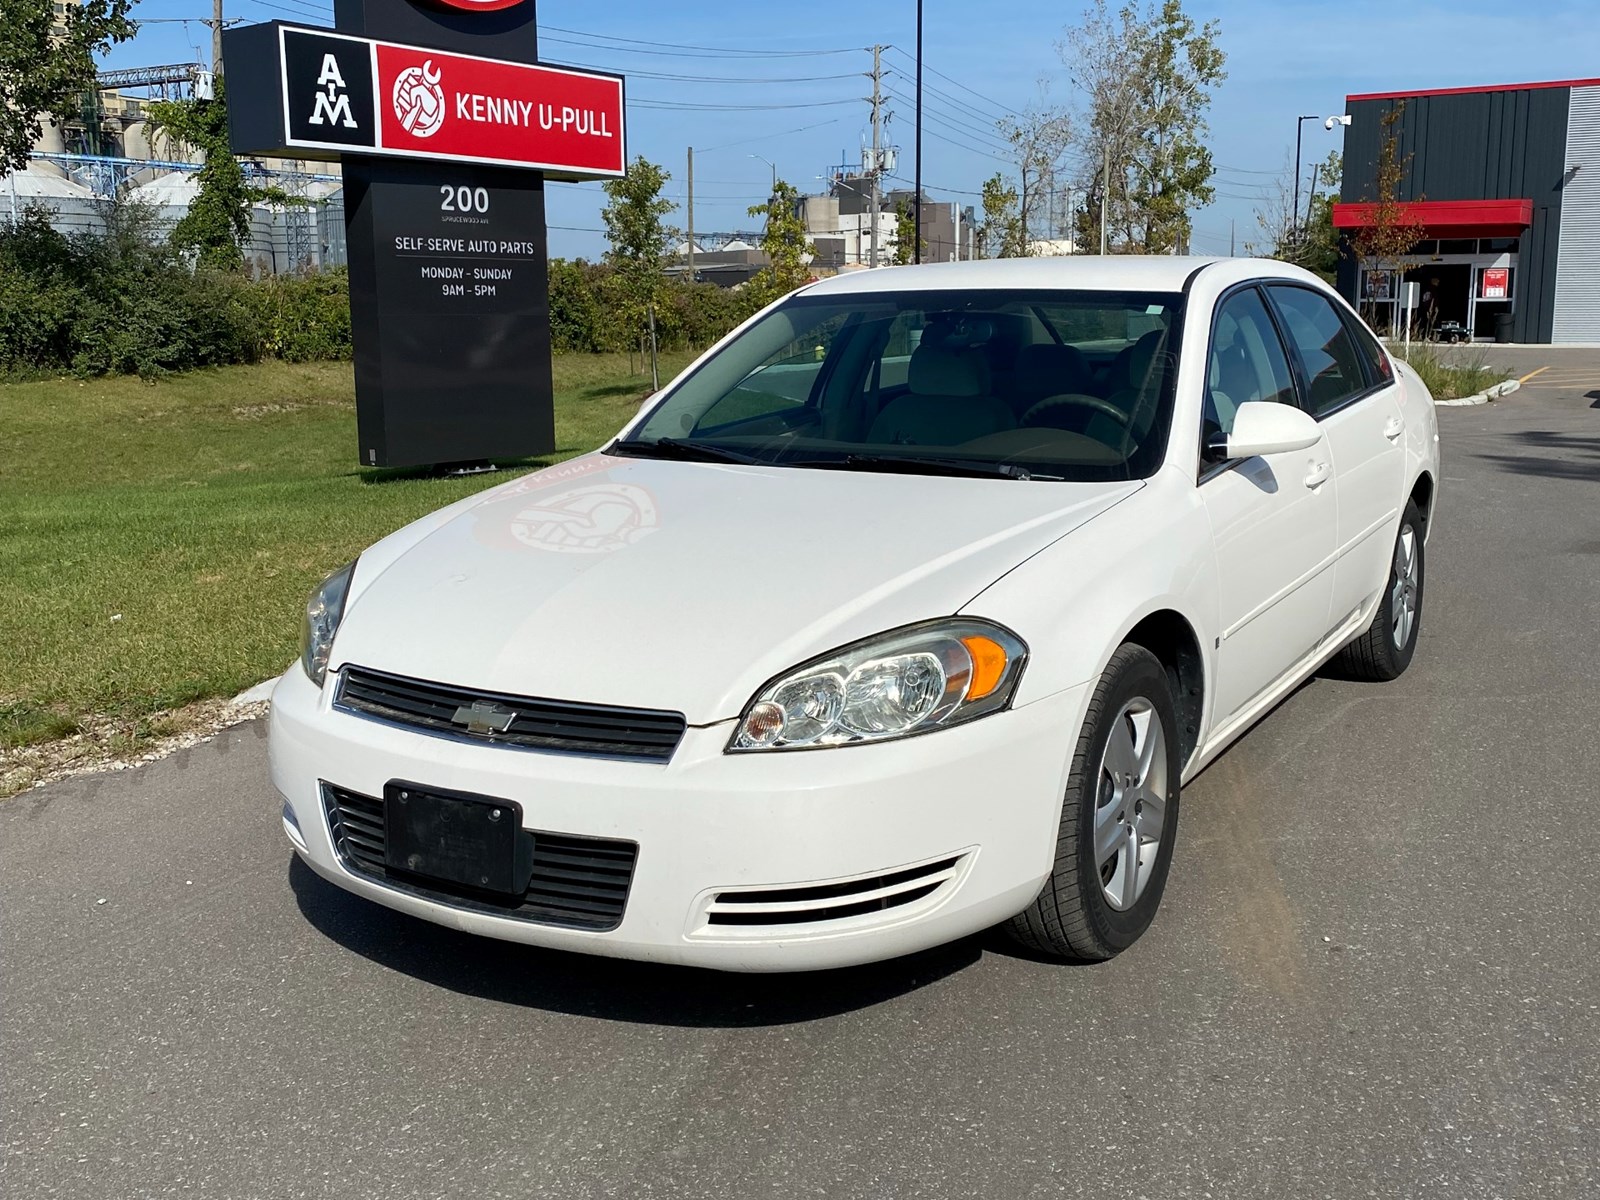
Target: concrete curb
<point>260,694</point>
<point>1494,393</point>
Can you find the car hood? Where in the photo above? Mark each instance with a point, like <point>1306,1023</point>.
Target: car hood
<point>685,586</point>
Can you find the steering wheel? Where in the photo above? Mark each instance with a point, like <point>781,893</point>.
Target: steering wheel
<point>1075,400</point>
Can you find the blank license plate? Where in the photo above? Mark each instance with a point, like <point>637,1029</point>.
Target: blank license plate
<point>454,839</point>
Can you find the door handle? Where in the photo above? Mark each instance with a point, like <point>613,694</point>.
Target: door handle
<point>1394,428</point>
<point>1318,474</point>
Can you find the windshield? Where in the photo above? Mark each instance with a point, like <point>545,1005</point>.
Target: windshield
<point>1072,385</point>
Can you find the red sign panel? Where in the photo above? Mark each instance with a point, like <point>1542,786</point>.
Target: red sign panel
<point>447,105</point>
<point>355,95</point>
<point>1496,283</point>
<point>475,5</point>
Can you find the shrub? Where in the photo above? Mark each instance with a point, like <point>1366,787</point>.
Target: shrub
<point>1456,377</point>
<point>126,301</point>
<point>303,318</point>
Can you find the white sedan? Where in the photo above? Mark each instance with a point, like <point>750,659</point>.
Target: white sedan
<point>905,612</point>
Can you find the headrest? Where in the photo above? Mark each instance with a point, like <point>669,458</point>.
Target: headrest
<point>1143,358</point>
<point>1052,370</point>
<point>935,371</point>
<point>1235,375</point>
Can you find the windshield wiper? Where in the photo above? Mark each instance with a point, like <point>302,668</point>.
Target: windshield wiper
<point>686,451</point>
<point>938,466</point>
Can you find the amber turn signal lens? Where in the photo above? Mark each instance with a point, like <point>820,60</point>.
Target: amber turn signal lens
<point>988,666</point>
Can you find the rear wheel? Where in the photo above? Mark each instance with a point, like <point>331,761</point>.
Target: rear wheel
<point>1118,819</point>
<point>1384,651</point>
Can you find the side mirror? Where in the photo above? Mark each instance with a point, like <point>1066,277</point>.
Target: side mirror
<point>1261,427</point>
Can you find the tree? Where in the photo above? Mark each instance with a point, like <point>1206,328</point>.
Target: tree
<point>44,74</point>
<point>1040,137</point>
<point>1385,242</point>
<point>1002,234</point>
<point>635,223</point>
<point>1308,238</point>
<point>905,234</point>
<point>785,245</point>
<point>1146,73</point>
<point>217,225</point>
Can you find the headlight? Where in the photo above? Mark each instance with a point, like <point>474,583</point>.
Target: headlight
<point>895,685</point>
<point>324,611</point>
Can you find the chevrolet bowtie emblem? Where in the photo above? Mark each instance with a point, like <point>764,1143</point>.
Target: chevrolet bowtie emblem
<point>482,717</point>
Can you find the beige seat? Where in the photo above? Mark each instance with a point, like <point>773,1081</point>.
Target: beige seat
<point>948,403</point>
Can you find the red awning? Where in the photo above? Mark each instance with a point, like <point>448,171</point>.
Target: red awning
<point>1448,218</point>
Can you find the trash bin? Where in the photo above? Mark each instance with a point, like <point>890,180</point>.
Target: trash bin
<point>1502,327</point>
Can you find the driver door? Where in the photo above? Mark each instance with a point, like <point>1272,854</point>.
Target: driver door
<point>1273,518</point>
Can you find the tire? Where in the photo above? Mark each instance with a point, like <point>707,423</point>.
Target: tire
<point>1384,651</point>
<point>1074,917</point>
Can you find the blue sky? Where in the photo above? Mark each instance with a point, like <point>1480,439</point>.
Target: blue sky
<point>809,111</point>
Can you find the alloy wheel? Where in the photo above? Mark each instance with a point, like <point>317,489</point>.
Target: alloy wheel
<point>1131,804</point>
<point>1404,593</point>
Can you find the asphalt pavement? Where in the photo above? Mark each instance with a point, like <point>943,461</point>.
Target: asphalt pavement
<point>1375,973</point>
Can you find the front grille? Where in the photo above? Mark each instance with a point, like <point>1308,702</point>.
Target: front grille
<point>554,725</point>
<point>808,904</point>
<point>577,882</point>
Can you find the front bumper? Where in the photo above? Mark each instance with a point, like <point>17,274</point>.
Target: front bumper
<point>965,819</point>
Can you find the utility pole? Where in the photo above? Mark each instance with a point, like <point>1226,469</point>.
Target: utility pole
<point>877,149</point>
<point>691,214</point>
<point>1231,251</point>
<point>216,36</point>
<point>1311,201</point>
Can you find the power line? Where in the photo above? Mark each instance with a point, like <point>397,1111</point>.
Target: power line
<point>768,136</point>
<point>608,37</point>
<point>933,187</point>
<point>951,140</point>
<point>301,12</point>
<point>995,104</point>
<point>721,78</point>
<point>688,106</point>
<point>686,53</point>
<point>991,133</point>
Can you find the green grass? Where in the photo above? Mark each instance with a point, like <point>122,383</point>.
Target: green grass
<point>157,540</point>
<point>1456,376</point>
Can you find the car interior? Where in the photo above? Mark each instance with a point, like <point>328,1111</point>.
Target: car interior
<point>1084,379</point>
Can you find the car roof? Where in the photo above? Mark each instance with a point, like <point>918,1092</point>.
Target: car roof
<point>1085,272</point>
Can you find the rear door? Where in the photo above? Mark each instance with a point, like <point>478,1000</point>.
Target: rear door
<point>1346,383</point>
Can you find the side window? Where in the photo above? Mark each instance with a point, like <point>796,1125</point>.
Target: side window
<point>1376,362</point>
<point>1247,362</point>
<point>1333,365</point>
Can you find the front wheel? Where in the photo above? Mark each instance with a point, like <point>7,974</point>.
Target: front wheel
<point>1118,819</point>
<point>1384,651</point>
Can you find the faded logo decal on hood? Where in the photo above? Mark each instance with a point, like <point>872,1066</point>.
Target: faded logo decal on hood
<point>546,512</point>
<point>597,519</point>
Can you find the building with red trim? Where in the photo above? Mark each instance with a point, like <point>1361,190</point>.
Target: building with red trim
<point>1504,185</point>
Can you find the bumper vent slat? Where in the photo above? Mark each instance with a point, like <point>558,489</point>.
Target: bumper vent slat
<point>551,725</point>
<point>577,882</point>
<point>809,904</point>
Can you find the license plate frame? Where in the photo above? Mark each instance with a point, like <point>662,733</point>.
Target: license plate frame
<point>456,839</point>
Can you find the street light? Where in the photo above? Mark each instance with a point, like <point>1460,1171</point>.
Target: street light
<point>1330,124</point>
<point>774,167</point>
<point>1294,209</point>
<point>916,200</point>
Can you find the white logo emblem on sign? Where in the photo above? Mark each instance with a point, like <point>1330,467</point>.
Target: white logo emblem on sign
<point>419,100</point>
<point>333,104</point>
